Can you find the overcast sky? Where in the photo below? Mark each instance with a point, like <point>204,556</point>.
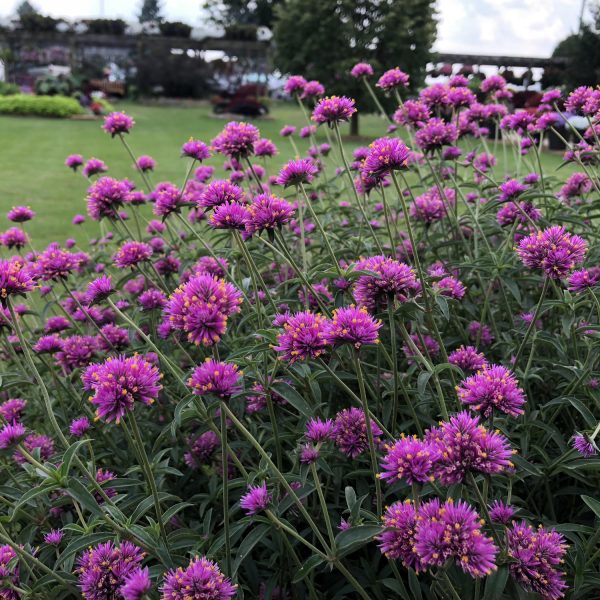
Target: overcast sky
<point>510,27</point>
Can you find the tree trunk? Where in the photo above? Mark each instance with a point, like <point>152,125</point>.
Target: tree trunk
<point>354,124</point>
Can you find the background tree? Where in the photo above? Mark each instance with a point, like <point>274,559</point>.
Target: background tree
<point>150,11</point>
<point>259,13</point>
<point>323,39</point>
<point>26,8</point>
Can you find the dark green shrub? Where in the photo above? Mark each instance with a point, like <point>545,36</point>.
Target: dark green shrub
<point>8,89</point>
<point>39,106</point>
<point>175,29</point>
<point>106,26</point>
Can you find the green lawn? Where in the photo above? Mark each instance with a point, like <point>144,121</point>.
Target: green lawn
<point>32,153</point>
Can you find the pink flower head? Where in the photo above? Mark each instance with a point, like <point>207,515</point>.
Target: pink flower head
<point>34,442</point>
<point>230,216</point>
<point>94,166</point>
<point>434,134</point>
<point>500,512</point>
<point>451,287</point>
<point>409,459</point>
<point>79,426</point>
<point>73,161</point>
<point>303,337</point>
<point>54,537</point>
<point>256,499</point>
<point>220,192</point>
<point>294,85</point>
<point>105,197</point>
<point>350,432</point>
<point>584,279</point>
<point>385,155</point>
<point>265,147</point>
<point>11,434</point>
<point>352,325</point>
<point>99,289</point>
<point>12,409</point>
<point>414,112</point>
<point>136,585</point>
<point>430,206</point>
<point>468,359</point>
<point>287,130</point>
<point>313,89</point>
<point>392,79</point>
<point>131,254</point>
<point>318,430</point>
<point>236,140</point>
<point>268,212</point>
<point>361,69</point>
<point>14,237</point>
<point>584,445</point>
<point>333,109</point>
<point>145,163</point>
<point>167,199</point>
<point>117,123</point>
<point>195,149</point>
<point>20,214</point>
<point>296,172</point>
<point>16,279</point>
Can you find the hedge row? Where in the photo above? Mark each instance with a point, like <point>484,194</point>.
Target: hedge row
<point>41,106</point>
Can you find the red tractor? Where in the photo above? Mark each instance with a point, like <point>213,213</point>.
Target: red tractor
<point>245,101</point>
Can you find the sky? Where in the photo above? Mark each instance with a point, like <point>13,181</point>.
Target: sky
<point>507,27</point>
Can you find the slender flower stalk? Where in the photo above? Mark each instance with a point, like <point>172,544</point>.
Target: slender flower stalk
<point>225,475</point>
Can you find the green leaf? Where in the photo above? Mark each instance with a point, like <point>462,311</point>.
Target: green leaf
<point>350,496</point>
<point>287,392</point>
<point>398,587</point>
<point>356,536</point>
<point>31,494</point>
<point>69,455</point>
<point>593,504</point>
<point>495,583</point>
<point>424,377</point>
<point>248,543</point>
<point>415,585</point>
<point>443,306</point>
<point>309,564</point>
<point>82,495</point>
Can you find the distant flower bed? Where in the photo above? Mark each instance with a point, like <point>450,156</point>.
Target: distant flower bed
<point>367,376</point>
<point>40,106</point>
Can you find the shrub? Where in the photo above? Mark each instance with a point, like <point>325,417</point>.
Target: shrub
<point>175,29</point>
<point>245,33</point>
<point>9,89</point>
<point>39,106</point>
<point>106,26</point>
<point>36,23</point>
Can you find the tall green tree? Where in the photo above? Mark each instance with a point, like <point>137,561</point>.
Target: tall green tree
<point>26,8</point>
<point>150,11</point>
<point>241,12</point>
<point>323,39</point>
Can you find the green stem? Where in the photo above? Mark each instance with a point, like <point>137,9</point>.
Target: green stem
<point>225,473</point>
<point>324,508</point>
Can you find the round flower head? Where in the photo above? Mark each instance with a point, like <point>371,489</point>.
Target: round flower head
<point>397,542</point>
<point>230,216</point>
<point>11,435</point>
<point>500,512</point>
<point>118,383</point>
<point>435,96</point>
<point>201,449</point>
<point>287,130</point>
<point>313,89</point>
<point>220,192</point>
<point>256,499</point>
<point>333,109</point>
<point>54,537</point>
<point>511,189</point>
<point>236,140</point>
<point>492,388</point>
<point>468,359</point>
<point>584,445</point>
<point>105,197</point>
<point>94,166</point>
<point>466,446</point>
<point>352,325</point>
<point>318,430</point>
<point>410,459</point>
<point>117,123</point>
<point>451,287</point>
<point>167,199</point>
<point>145,163</point>
<point>217,378</point>
<point>212,266</point>
<point>78,220</point>
<point>553,250</point>
<point>385,155</point>
<point>103,569</point>
<point>79,426</point>
<point>14,237</point>
<point>76,351</point>
<point>74,161</point>
<point>136,585</point>
<point>435,134</point>
<point>195,149</point>
<point>583,279</point>
<point>202,577</point>
<point>430,206</point>
<point>493,83</point>
<point>265,147</point>
<point>16,279</point>
<point>414,113</point>
<point>99,289</point>
<point>394,279</point>
<point>268,212</point>
<point>294,85</point>
<point>309,454</point>
<point>296,172</point>
<point>11,410</point>
<point>350,432</point>
<point>34,442</point>
<point>131,254</point>
<point>304,337</point>
<point>535,555</point>
<point>152,299</point>
<point>20,214</point>
<point>361,70</point>
<point>392,79</point>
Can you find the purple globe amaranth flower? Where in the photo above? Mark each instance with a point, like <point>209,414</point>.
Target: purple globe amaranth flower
<point>201,306</point>
<point>523,212</point>
<point>11,434</point>
<point>430,206</point>
<point>493,83</point>
<point>352,325</point>
<point>318,430</point>
<point>577,185</point>
<point>12,409</point>
<point>361,69</point>
<point>306,132</point>
<point>434,134</point>
<point>201,576</point>
<point>414,113</point>
<point>220,192</point>
<point>131,254</point>
<point>287,130</point>
<point>268,212</point>
<point>213,266</point>
<point>74,161</point>
<point>385,155</point>
<point>294,85</point>
<point>394,280</point>
<point>16,278</point>
<point>500,512</point>
<point>397,542</point>
<point>119,383</point>
<point>424,343</point>
<point>465,447</point>
<point>167,199</point>
<point>333,109</point>
<point>256,499</point>
<point>309,454</point>
<point>113,338</point>
<point>535,555</point>
<point>55,264</point>
<point>79,426</point>
<point>201,449</point>
<point>265,147</point>
<point>56,324</point>
<point>78,220</point>
<point>117,123</point>
<point>584,445</point>
<point>34,442</point>
<point>578,98</point>
<point>553,250</point>
<point>451,287</point>
<point>20,214</point>
<point>217,378</point>
<point>152,299</point>
<point>461,96</point>
<point>136,585</point>
<point>94,166</point>
<point>102,569</point>
<point>435,96</point>
<point>145,163</point>
<point>584,279</point>
<point>236,140</point>
<point>468,359</point>
<point>14,237</point>
<point>511,189</point>
<point>99,290</point>
<point>481,332</point>
<point>105,197</point>
<point>409,459</point>
<point>195,149</point>
<point>494,388</point>
<point>350,432</point>
<point>77,351</point>
<point>54,537</point>
<point>313,89</point>
<point>392,79</point>
<point>297,172</point>
<point>304,337</point>
<point>230,216</point>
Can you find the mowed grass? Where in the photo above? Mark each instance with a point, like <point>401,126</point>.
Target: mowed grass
<point>32,153</point>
